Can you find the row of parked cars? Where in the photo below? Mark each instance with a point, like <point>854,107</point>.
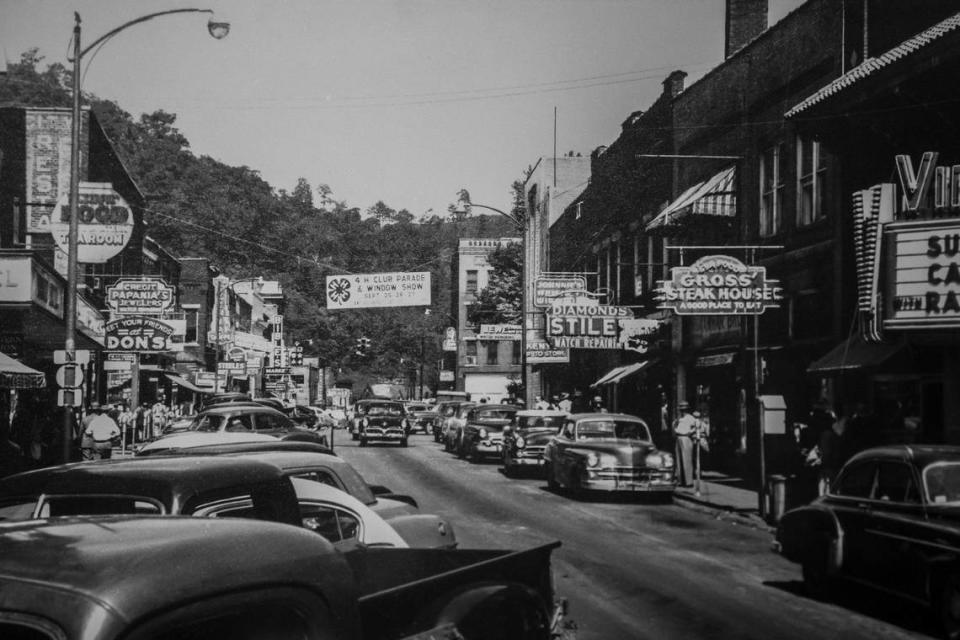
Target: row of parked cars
<point>584,451</point>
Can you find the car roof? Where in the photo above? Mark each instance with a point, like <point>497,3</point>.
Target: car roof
<point>108,568</point>
<point>232,407</point>
<point>168,479</point>
<point>552,413</point>
<point>273,444</point>
<point>921,455</point>
<point>605,416</point>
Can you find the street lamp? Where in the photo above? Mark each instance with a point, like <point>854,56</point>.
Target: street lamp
<point>216,29</point>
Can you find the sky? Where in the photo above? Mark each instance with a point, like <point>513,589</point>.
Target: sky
<point>400,101</point>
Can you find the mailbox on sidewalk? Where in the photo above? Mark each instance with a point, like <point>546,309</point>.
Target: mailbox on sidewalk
<point>773,415</point>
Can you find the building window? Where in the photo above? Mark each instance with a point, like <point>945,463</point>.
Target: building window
<point>517,352</point>
<point>811,169</point>
<point>472,280</point>
<point>771,191</point>
<point>491,346</point>
<point>471,347</point>
<point>579,210</point>
<point>193,321</point>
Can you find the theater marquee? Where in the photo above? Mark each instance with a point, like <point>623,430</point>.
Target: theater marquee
<point>923,276</point>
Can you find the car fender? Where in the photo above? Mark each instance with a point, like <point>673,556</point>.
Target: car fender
<point>802,529</point>
<point>483,606</point>
<point>424,531</point>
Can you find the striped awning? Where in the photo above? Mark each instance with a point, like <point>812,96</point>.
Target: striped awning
<point>714,197</point>
<point>16,375</point>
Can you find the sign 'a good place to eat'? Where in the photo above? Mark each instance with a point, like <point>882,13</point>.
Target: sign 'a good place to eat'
<point>378,290</point>
<point>719,285</point>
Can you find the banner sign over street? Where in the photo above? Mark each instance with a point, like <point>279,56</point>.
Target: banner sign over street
<point>135,333</point>
<point>549,286</point>
<point>499,332</point>
<point>139,297</point>
<point>378,290</point>
<point>719,285</point>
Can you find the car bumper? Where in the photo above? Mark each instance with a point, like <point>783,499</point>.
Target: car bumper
<point>487,448</point>
<point>372,433</point>
<point>641,481</point>
<point>524,458</point>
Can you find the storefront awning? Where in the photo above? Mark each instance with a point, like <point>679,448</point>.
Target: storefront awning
<point>186,384</point>
<point>617,374</point>
<point>16,375</point>
<point>714,197</point>
<point>855,353</point>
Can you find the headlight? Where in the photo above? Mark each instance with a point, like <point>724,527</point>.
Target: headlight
<point>483,433</point>
<point>659,460</point>
<point>521,443</point>
<point>592,459</point>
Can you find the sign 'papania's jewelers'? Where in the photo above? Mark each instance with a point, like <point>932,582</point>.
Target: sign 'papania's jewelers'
<point>719,285</point>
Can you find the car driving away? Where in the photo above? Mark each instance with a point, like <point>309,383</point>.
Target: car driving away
<point>382,421</point>
<point>607,452</point>
<point>483,431</point>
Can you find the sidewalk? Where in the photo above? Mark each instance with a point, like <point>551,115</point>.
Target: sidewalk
<point>725,497</point>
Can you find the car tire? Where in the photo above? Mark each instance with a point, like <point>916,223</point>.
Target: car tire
<point>355,436</point>
<point>461,452</point>
<point>552,483</point>
<point>403,442</point>
<point>816,577</point>
<point>363,441</point>
<point>473,455</point>
<point>948,606</point>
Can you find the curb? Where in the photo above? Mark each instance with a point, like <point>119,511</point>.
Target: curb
<point>723,512</point>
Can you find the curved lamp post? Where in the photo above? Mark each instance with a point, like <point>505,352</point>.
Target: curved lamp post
<point>216,29</point>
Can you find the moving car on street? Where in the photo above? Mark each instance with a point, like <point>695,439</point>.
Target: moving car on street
<point>525,438</point>
<point>482,433</point>
<point>381,421</point>
<point>453,425</point>
<point>607,452</point>
<point>248,417</point>
<point>422,416</point>
<point>891,521</point>
<point>128,577</point>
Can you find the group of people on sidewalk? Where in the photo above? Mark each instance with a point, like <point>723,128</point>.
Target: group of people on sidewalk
<point>828,440</point>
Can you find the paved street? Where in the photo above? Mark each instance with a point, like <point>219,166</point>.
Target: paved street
<point>632,569</point>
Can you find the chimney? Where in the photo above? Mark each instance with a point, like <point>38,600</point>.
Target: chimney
<point>673,85</point>
<point>745,20</point>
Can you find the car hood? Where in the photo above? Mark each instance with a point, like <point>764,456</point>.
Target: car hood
<point>536,436</point>
<point>627,453</point>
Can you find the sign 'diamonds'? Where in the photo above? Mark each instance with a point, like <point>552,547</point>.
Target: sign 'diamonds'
<point>378,290</point>
<point>719,285</point>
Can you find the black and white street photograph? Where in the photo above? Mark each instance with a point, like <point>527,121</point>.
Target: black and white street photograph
<point>479,319</point>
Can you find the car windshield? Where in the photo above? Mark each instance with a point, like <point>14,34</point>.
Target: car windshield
<point>384,410</point>
<point>207,423</point>
<point>484,415</point>
<point>941,480</point>
<point>605,429</point>
<point>551,423</point>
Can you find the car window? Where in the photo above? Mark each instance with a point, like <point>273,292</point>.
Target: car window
<point>270,422</point>
<point>895,483</point>
<point>318,475</point>
<point>333,524</point>
<point>385,410</point>
<point>98,505</point>
<point>942,482</point>
<point>239,423</point>
<point>856,480</point>
<point>207,422</point>
<point>567,431</point>
<point>17,509</point>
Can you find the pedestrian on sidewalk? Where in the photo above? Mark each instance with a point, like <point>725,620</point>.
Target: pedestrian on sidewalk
<point>688,429</point>
<point>832,450</point>
<point>565,405</point>
<point>104,431</point>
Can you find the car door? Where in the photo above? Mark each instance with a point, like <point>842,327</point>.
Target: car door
<point>564,460</point>
<point>897,557</point>
<point>850,501</point>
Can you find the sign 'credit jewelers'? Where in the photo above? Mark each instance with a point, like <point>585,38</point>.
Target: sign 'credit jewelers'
<point>719,285</point>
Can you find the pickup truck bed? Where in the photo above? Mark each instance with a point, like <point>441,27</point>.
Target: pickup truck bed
<point>396,585</point>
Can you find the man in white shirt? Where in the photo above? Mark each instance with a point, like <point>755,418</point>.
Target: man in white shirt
<point>565,405</point>
<point>103,430</point>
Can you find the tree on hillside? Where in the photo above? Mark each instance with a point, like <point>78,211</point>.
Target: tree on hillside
<point>500,302</point>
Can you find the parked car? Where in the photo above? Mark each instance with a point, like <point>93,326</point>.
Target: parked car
<point>444,410</point>
<point>482,433</point>
<point>525,438</point>
<point>118,577</point>
<point>249,417</point>
<point>890,520</point>
<point>302,416</point>
<point>210,486</point>
<point>421,416</point>
<point>608,452</point>
<point>453,425</point>
<point>381,420</point>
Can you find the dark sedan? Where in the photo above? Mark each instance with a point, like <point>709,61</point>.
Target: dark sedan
<point>482,432</point>
<point>891,521</point>
<point>527,436</point>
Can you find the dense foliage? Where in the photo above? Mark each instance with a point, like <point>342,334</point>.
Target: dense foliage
<point>201,207</point>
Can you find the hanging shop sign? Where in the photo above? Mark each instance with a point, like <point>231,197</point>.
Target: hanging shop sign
<point>923,280</point>
<point>47,135</point>
<point>638,334</point>
<point>378,290</point>
<point>118,361</point>
<point>549,286</point>
<point>499,332</point>
<point>105,222</point>
<point>135,333</point>
<point>719,285</point>
<point>140,296</point>
<point>450,339</point>
<point>545,353</point>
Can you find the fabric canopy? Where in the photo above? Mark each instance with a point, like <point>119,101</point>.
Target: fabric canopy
<point>186,384</point>
<point>855,353</point>
<point>714,197</point>
<point>617,374</point>
<point>16,375</point>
